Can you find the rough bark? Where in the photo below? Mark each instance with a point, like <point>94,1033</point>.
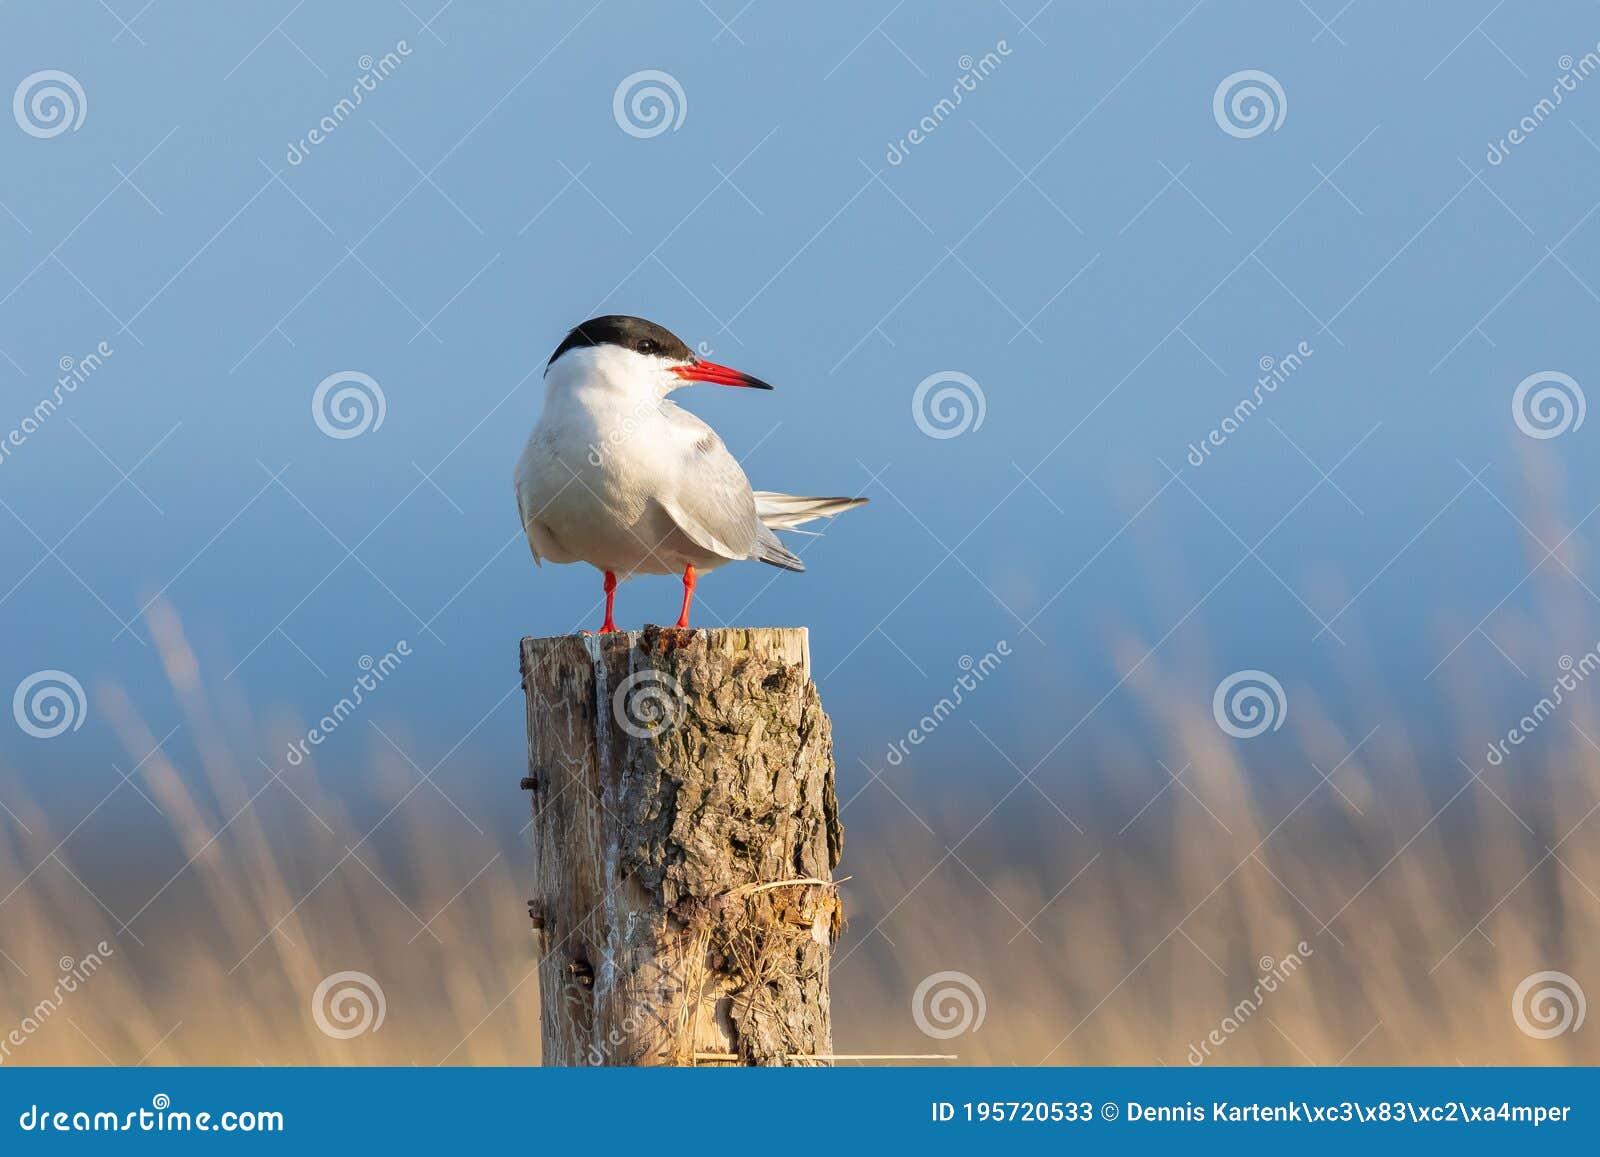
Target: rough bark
<point>685,829</point>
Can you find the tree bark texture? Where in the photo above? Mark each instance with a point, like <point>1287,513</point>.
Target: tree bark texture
<point>685,829</point>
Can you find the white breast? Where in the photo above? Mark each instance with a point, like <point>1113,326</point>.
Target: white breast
<point>605,468</point>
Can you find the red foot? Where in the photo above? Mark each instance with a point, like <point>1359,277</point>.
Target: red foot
<point>611,597</point>
<point>688,596</point>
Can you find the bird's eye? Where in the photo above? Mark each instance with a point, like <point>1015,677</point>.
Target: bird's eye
<point>646,346</point>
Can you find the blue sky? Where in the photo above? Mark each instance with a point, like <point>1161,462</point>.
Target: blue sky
<point>1081,237</point>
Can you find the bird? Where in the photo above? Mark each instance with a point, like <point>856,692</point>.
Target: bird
<point>617,475</point>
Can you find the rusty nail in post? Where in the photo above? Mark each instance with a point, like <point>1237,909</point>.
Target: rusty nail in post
<point>529,783</point>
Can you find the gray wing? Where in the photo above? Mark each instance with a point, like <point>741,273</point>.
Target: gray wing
<point>709,499</point>
<point>770,550</point>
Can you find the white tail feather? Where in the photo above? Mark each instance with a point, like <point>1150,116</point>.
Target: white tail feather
<point>787,511</point>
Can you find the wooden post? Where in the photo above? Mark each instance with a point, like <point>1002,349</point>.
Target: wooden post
<point>685,829</point>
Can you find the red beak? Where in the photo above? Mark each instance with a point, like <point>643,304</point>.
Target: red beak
<point>704,371</point>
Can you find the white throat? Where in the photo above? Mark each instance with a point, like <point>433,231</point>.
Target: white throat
<point>610,372</point>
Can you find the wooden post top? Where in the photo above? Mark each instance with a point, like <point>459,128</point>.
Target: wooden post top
<point>790,644</point>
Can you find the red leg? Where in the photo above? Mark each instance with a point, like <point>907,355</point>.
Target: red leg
<point>611,597</point>
<point>688,595</point>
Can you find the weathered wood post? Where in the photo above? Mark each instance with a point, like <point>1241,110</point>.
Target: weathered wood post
<point>685,829</point>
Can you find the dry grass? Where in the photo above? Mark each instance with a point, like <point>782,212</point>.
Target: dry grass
<point>1424,896</point>
<point>272,888</point>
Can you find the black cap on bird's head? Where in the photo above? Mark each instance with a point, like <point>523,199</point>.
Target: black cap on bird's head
<point>650,340</point>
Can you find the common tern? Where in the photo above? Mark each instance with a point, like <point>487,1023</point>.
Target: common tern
<point>617,475</point>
